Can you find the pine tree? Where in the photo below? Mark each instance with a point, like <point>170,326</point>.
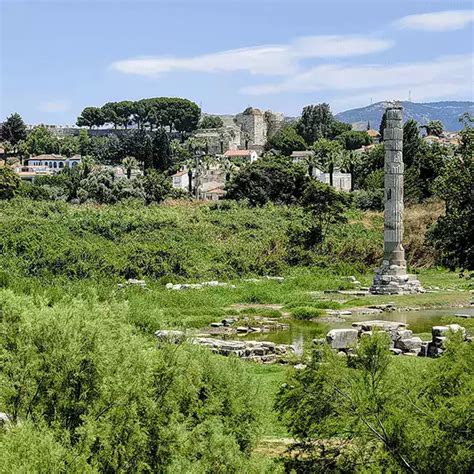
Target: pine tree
<point>14,129</point>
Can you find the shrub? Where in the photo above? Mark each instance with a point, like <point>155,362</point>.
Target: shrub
<point>371,200</point>
<point>306,312</point>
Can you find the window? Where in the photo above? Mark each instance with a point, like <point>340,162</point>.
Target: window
<point>61,164</point>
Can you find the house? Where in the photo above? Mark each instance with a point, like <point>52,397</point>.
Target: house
<point>250,155</point>
<point>375,135</point>
<point>212,191</point>
<point>29,173</point>
<point>54,162</point>
<point>302,156</point>
<point>340,181</point>
<point>181,180</point>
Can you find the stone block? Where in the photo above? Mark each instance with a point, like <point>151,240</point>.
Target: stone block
<point>409,345</point>
<point>437,331</point>
<point>170,336</point>
<point>404,334</point>
<point>393,134</point>
<point>342,338</point>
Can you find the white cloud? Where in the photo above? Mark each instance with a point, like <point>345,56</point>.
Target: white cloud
<point>439,21</point>
<point>278,59</point>
<point>55,106</point>
<point>446,75</point>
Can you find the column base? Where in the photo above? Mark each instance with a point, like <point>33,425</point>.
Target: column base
<point>394,280</point>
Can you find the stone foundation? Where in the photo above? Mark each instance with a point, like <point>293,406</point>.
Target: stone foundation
<point>394,280</point>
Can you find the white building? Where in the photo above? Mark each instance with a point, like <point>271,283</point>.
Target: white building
<point>54,162</point>
<point>181,180</point>
<point>302,156</point>
<point>250,155</point>
<point>340,181</point>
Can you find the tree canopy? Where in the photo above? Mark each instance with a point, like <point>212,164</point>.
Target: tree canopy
<point>286,141</point>
<point>177,114</point>
<point>211,121</point>
<point>274,179</point>
<point>14,129</point>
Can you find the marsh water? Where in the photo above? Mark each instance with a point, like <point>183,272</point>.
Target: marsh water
<point>303,332</point>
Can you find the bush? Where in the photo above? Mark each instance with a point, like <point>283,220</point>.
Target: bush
<point>10,183</point>
<point>306,312</point>
<point>371,200</point>
<point>76,378</point>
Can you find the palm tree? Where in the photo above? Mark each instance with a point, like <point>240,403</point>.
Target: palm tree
<point>349,161</point>
<point>328,155</point>
<point>86,165</point>
<point>129,163</point>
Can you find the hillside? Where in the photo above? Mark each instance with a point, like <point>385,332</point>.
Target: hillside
<point>446,111</point>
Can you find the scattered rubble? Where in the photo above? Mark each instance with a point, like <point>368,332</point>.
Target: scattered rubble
<point>197,286</point>
<point>133,282</point>
<point>258,351</point>
<point>352,279</point>
<point>403,341</point>
<point>247,325</point>
<point>170,336</point>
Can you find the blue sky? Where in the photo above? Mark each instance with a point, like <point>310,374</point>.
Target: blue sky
<point>58,57</point>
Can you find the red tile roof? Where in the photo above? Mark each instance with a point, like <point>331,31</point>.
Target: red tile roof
<point>238,153</point>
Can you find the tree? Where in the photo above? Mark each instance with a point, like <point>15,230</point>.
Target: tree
<point>274,179</point>
<point>157,187</point>
<point>286,141</point>
<point>129,163</point>
<point>394,418</point>
<point>10,183</point>
<point>69,146</point>
<point>110,113</point>
<point>353,140</point>
<point>124,111</point>
<point>84,143</point>
<point>452,233</point>
<point>91,117</point>
<point>337,128</point>
<point>315,123</point>
<point>184,115</point>
<point>328,155</point>
<point>41,141</point>
<point>351,162</point>
<point>434,128</point>
<point>383,124</point>
<point>141,113</point>
<point>161,151</point>
<point>211,121</point>
<point>326,206</point>
<point>14,129</point>
<point>411,141</point>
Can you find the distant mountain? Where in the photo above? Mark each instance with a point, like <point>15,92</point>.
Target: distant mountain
<point>447,111</point>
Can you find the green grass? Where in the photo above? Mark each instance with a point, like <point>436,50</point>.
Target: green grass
<point>269,379</point>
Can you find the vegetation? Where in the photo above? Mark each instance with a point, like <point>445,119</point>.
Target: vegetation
<point>317,122</point>
<point>14,129</point>
<point>211,121</point>
<point>270,179</point>
<point>286,141</point>
<point>177,114</point>
<point>452,234</point>
<point>350,413</point>
<point>87,393</point>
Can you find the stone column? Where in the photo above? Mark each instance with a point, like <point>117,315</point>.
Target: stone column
<point>394,254</point>
<point>392,278</point>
